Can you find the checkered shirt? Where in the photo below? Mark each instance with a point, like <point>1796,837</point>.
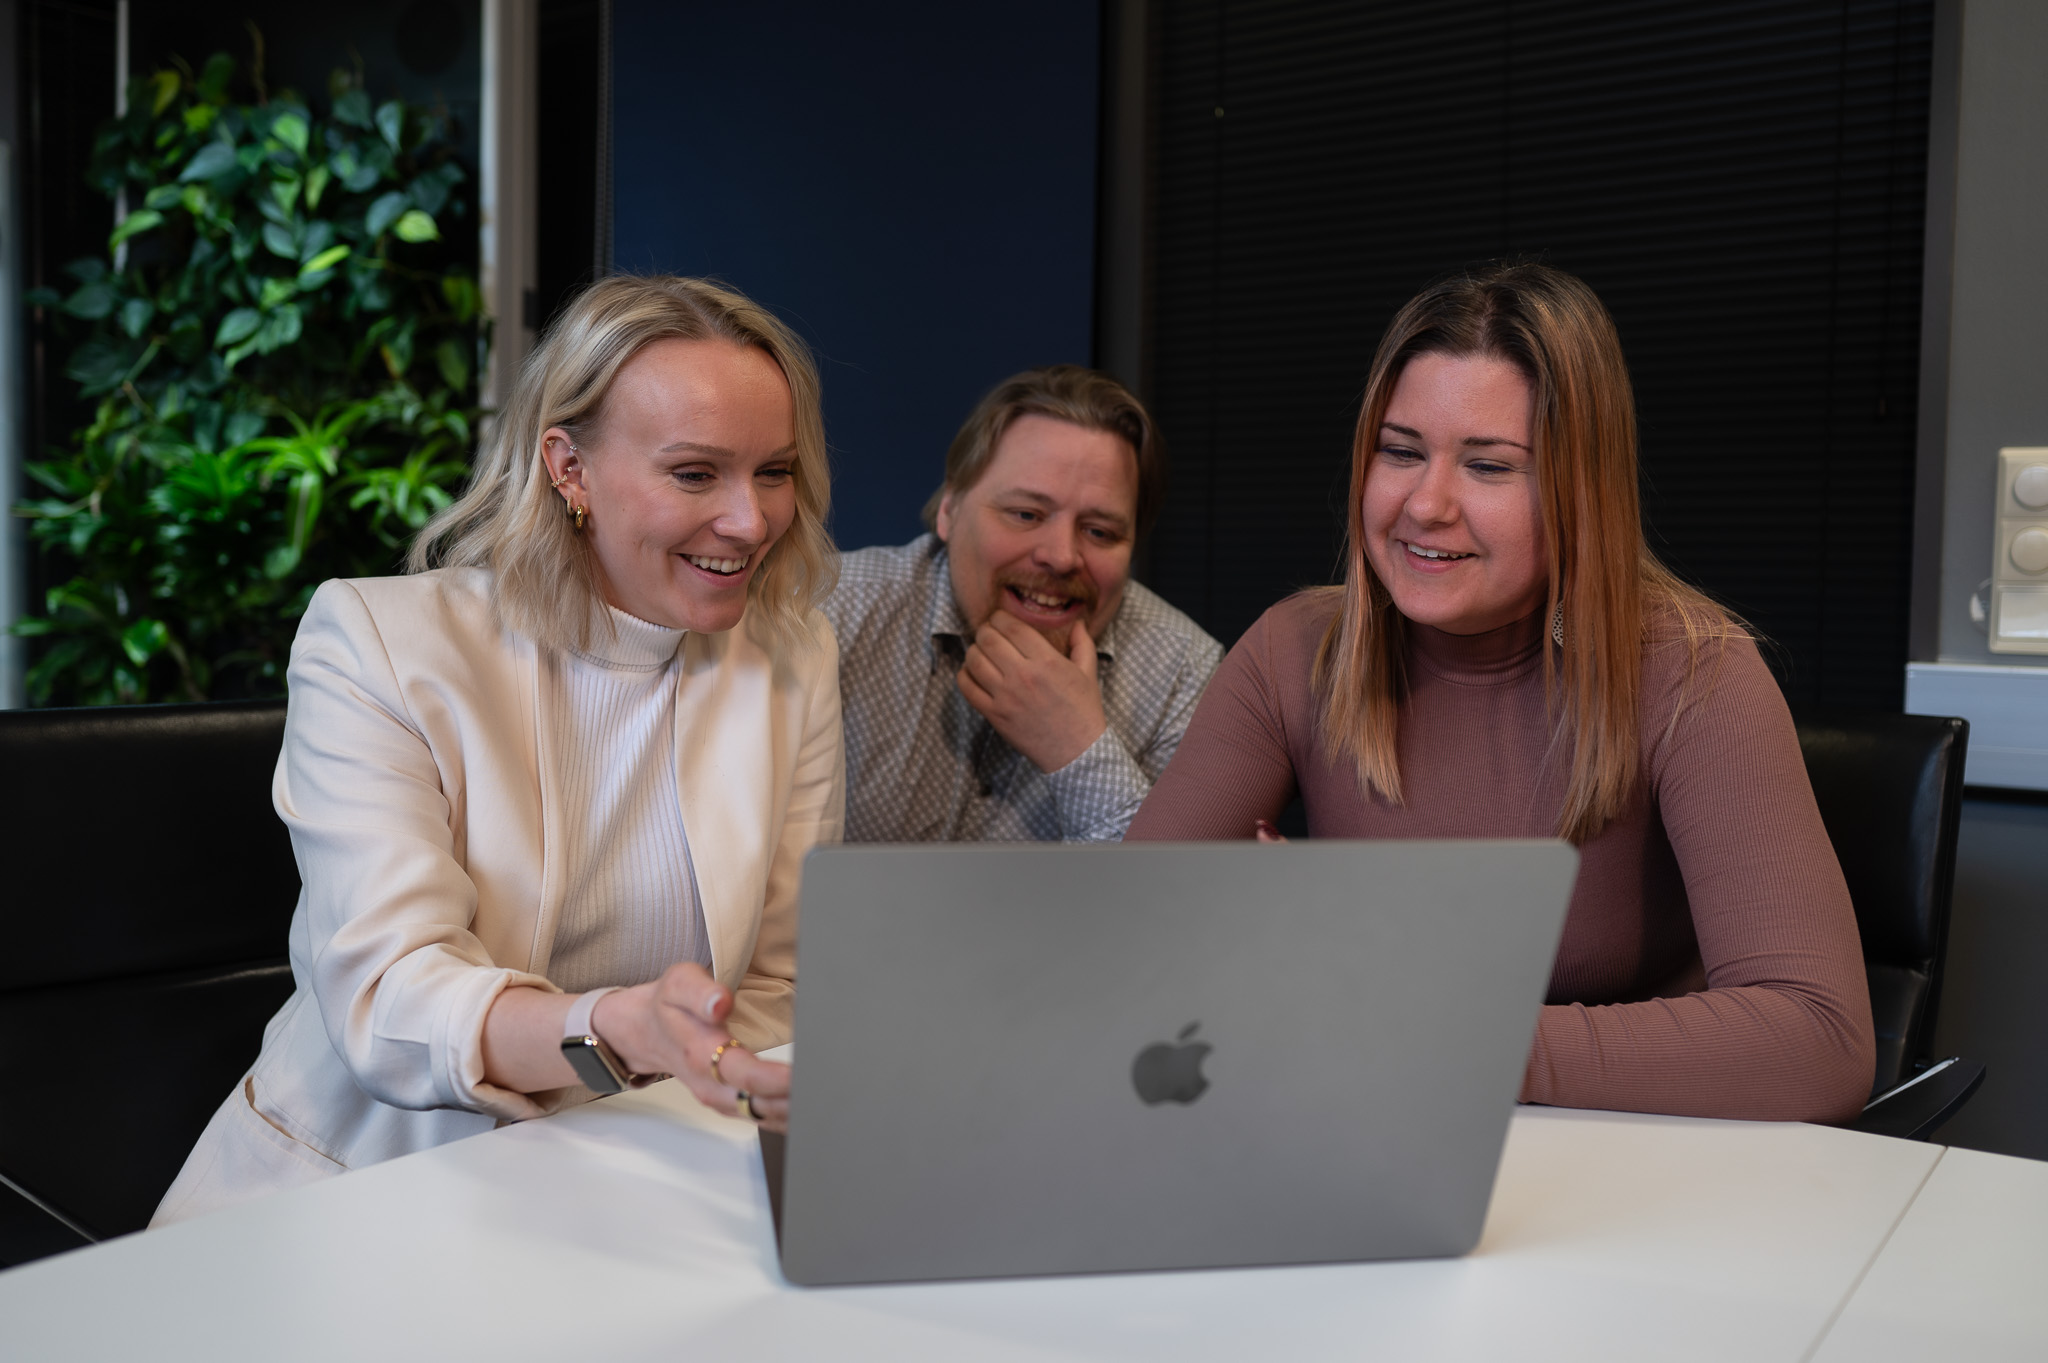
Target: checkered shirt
<point>922,765</point>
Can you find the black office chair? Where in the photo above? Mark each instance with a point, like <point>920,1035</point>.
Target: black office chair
<point>150,889</point>
<point>1890,790</point>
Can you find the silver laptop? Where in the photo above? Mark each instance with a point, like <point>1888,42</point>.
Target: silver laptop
<point>1068,1059</point>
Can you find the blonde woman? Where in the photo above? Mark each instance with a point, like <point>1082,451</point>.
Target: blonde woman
<point>1506,658</point>
<point>550,798</point>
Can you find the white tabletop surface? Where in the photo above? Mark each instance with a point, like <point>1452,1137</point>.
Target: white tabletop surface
<point>1965,1275</point>
<point>637,1227</point>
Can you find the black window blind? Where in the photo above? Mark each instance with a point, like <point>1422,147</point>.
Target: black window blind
<point>1743,183</point>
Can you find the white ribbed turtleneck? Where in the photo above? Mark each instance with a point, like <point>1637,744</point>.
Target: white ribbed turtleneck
<point>631,910</point>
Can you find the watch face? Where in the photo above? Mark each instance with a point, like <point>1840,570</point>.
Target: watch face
<point>586,1055</point>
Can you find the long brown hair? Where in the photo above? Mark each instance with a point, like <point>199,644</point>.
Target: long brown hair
<point>1606,587</point>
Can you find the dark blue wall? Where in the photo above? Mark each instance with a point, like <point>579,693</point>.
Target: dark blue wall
<point>911,185</point>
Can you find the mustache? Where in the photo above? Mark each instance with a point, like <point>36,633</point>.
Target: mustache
<point>1076,586</point>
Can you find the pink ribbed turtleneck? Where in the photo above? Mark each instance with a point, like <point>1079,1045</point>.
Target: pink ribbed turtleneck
<point>1710,964</point>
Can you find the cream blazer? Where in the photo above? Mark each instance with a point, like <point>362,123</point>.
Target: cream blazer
<point>415,780</point>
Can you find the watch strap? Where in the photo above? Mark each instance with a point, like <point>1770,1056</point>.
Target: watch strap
<point>577,1025</point>
<point>596,1066</point>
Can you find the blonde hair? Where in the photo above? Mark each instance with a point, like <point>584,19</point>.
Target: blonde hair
<point>1610,589</point>
<point>509,520</point>
<point>1087,398</point>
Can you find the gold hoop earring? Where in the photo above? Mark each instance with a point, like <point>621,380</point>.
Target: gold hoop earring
<point>578,513</point>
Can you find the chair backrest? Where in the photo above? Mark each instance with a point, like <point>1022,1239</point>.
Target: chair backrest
<point>151,891</point>
<point>1890,789</point>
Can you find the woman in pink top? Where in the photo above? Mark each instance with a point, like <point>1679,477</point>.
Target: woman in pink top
<point>1506,658</point>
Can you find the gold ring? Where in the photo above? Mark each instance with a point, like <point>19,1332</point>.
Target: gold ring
<point>747,1108</point>
<point>718,1055</point>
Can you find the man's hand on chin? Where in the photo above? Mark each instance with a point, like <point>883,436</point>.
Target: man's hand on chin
<point>1046,704</point>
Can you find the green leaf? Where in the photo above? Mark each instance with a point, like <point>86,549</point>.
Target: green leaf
<point>135,315</point>
<point>353,109</point>
<point>326,260</point>
<point>318,236</point>
<point>213,80</point>
<point>243,427</point>
<point>237,325</point>
<point>91,302</point>
<point>416,226</point>
<point>280,329</point>
<point>141,220</point>
<point>166,89</point>
<point>199,118</point>
<point>452,363</point>
<point>462,296</point>
<point>99,365</point>
<point>162,196</point>
<point>279,239</point>
<point>275,291</point>
<point>144,639</point>
<point>279,562</point>
<point>430,191</point>
<point>316,185</point>
<point>214,160</point>
<point>385,211</point>
<point>286,192</point>
<point>61,659</point>
<point>291,130</point>
<point>391,122</point>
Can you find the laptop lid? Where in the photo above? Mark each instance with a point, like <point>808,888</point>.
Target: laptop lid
<point>1042,1058</point>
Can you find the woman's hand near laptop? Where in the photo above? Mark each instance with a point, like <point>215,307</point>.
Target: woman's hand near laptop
<point>671,1025</point>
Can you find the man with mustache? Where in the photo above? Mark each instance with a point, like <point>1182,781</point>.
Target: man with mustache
<point>1002,677</point>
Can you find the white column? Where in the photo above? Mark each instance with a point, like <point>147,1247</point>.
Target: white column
<point>509,198</point>
<point>13,434</point>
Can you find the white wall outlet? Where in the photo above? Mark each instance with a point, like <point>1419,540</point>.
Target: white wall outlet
<point>2019,540</point>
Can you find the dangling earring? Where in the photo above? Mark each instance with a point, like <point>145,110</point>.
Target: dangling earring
<point>1556,623</point>
<point>574,512</point>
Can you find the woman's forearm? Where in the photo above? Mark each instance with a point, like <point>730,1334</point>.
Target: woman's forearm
<point>523,1041</point>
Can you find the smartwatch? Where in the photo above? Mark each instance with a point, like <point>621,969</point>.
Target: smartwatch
<point>596,1066</point>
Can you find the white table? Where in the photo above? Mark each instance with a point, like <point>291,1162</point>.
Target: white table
<point>638,1227</point>
<point>1965,1275</point>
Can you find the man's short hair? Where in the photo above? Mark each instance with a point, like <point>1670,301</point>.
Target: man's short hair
<point>1067,392</point>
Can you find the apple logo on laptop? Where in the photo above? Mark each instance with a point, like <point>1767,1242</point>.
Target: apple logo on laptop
<point>1169,1073</point>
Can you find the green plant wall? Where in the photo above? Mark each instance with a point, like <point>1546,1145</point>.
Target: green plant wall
<point>281,344</point>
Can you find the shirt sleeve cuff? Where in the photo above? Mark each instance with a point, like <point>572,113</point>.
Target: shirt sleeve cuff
<point>1097,794</point>
<point>465,1051</point>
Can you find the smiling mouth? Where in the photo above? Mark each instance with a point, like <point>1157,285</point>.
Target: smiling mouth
<point>1037,601</point>
<point>723,567</point>
<point>1434,555</point>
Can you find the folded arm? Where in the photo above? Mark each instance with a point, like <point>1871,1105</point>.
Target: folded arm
<point>402,984</point>
<point>1783,1029</point>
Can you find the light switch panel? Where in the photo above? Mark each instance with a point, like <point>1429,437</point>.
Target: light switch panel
<point>2019,546</point>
